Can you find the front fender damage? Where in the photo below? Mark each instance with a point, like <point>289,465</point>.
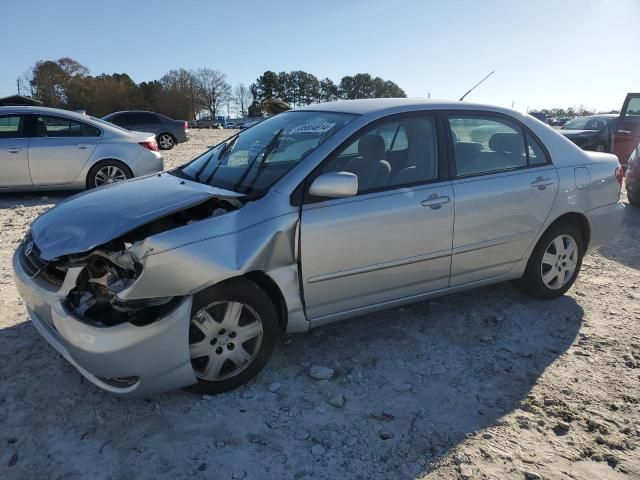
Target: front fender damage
<point>176,271</point>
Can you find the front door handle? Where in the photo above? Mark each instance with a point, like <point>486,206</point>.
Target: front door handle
<point>624,132</point>
<point>541,183</point>
<point>435,201</point>
<point>13,149</point>
<point>83,146</point>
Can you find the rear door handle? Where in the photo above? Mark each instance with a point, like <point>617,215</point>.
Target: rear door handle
<point>83,146</point>
<point>541,183</point>
<point>13,149</point>
<point>435,201</point>
<point>624,132</point>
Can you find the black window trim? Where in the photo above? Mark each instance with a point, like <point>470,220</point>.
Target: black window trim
<point>22,126</point>
<point>300,195</point>
<point>32,124</point>
<point>486,113</point>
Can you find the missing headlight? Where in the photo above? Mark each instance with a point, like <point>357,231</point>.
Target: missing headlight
<point>94,298</point>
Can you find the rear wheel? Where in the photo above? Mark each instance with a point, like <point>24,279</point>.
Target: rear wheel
<point>166,141</point>
<point>554,263</point>
<point>634,199</point>
<point>107,172</point>
<point>234,329</point>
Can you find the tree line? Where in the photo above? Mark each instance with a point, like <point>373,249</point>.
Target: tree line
<point>184,94</point>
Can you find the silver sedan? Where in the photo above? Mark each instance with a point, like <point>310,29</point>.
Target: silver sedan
<point>51,149</point>
<point>188,278</point>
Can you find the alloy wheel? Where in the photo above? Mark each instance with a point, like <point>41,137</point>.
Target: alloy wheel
<point>224,338</point>
<point>109,174</point>
<point>559,262</point>
<point>165,141</point>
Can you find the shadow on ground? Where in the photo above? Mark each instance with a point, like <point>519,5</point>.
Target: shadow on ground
<point>625,248</point>
<point>416,380</point>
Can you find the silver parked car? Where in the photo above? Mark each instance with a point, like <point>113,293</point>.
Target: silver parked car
<point>47,148</point>
<point>188,278</point>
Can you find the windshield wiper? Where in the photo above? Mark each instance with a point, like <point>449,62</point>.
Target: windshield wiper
<point>227,146</point>
<point>231,141</point>
<point>273,144</point>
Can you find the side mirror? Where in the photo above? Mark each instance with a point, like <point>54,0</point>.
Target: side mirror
<point>335,185</point>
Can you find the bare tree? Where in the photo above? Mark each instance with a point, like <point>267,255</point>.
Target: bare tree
<point>243,98</point>
<point>215,90</point>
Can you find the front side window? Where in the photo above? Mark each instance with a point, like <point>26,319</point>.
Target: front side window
<point>632,112</point>
<point>484,144</point>
<point>59,127</point>
<point>251,161</point>
<point>390,155</point>
<point>10,126</point>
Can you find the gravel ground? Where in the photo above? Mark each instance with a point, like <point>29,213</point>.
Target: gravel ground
<point>486,384</point>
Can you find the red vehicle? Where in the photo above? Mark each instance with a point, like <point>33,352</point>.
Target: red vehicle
<point>632,179</point>
<point>627,130</point>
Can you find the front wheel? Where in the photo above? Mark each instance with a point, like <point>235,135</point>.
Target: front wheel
<point>634,199</point>
<point>234,329</point>
<point>555,262</point>
<point>166,141</point>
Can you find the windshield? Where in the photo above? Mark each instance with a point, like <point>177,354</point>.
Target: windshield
<point>251,161</point>
<point>589,123</point>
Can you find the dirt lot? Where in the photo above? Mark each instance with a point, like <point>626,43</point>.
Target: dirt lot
<point>487,384</point>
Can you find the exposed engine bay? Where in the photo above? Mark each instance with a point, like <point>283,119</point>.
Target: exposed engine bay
<point>111,268</point>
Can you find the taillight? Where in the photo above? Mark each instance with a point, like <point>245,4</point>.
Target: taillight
<point>186,125</point>
<point>619,174</point>
<point>151,145</point>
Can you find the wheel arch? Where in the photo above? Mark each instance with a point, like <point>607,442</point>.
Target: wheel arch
<point>167,132</point>
<point>271,288</point>
<point>101,161</point>
<point>578,219</point>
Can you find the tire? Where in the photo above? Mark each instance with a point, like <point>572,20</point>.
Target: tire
<point>634,199</point>
<point>533,283</point>
<point>217,335</point>
<point>166,141</point>
<point>102,168</point>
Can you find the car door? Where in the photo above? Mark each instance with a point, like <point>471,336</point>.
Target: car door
<point>627,131</point>
<point>59,148</point>
<point>504,188</point>
<point>392,240</point>
<point>14,158</point>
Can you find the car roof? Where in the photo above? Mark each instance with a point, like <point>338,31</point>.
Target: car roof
<point>369,105</point>
<point>44,111</point>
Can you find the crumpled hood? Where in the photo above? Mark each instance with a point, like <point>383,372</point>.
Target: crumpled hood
<point>89,219</point>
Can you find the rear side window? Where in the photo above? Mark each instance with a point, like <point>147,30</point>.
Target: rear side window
<point>143,118</point>
<point>486,144</point>
<point>11,126</point>
<point>535,152</point>
<point>59,127</point>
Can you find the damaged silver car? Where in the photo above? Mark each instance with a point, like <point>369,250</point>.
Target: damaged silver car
<point>188,278</point>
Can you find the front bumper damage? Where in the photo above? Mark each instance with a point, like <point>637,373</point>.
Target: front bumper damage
<point>124,359</point>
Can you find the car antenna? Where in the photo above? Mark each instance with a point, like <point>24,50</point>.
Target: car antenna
<point>471,89</point>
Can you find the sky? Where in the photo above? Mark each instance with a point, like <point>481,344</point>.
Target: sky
<point>545,53</point>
